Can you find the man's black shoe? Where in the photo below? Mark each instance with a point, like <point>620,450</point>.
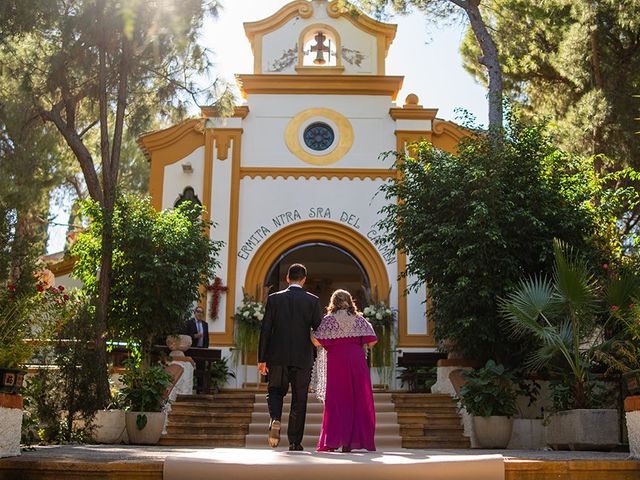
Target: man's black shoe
<point>295,447</point>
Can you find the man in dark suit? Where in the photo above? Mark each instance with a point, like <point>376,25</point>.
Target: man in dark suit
<point>198,330</point>
<point>286,353</point>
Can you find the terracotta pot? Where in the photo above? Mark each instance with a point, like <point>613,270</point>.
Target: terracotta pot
<point>178,344</point>
<point>11,421</point>
<point>150,433</point>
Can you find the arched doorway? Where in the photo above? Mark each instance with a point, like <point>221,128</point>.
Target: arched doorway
<point>346,240</point>
<point>329,267</point>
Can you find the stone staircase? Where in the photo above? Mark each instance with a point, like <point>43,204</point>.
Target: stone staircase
<point>238,418</point>
<point>219,420</point>
<point>429,420</point>
<point>387,429</point>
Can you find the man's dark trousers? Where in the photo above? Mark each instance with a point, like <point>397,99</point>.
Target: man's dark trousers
<point>279,379</point>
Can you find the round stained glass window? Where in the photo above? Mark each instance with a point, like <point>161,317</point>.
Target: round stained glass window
<point>318,136</point>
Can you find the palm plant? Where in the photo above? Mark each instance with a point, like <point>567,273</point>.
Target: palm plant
<point>567,314</point>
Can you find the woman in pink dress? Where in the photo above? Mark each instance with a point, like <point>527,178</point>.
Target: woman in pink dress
<point>342,378</point>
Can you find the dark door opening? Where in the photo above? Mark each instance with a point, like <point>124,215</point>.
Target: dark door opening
<point>329,267</point>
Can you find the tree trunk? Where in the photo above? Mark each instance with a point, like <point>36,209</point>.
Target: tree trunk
<point>104,280</point>
<point>490,60</point>
<point>580,398</point>
<point>596,135</point>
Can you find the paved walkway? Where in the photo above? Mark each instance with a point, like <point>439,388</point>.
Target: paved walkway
<point>138,453</point>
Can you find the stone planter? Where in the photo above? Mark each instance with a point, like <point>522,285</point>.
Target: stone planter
<point>527,434</point>
<point>10,424</point>
<point>178,344</point>
<point>150,434</point>
<point>492,432</point>
<point>583,429</point>
<point>109,426</point>
<point>632,414</point>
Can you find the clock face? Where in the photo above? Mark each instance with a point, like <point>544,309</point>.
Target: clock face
<point>318,136</point>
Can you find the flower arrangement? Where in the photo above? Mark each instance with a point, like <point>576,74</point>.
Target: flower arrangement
<point>383,320</point>
<point>248,321</point>
<point>379,314</point>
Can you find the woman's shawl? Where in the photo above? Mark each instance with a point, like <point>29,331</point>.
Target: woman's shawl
<point>339,325</point>
<point>343,325</point>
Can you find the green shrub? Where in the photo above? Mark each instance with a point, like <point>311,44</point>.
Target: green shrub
<point>489,391</point>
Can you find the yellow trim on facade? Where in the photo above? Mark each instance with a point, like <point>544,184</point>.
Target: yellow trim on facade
<point>328,173</point>
<point>320,70</point>
<point>164,147</point>
<point>255,31</point>
<point>232,137</point>
<point>301,120</point>
<point>385,31</point>
<point>316,84</point>
<point>447,135</point>
<point>444,135</point>
<point>63,267</point>
<point>313,231</point>
<point>301,8</point>
<point>404,338</point>
<point>240,111</point>
<point>412,113</point>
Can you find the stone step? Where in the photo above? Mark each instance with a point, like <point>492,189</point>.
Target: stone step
<point>212,407</point>
<point>263,417</point>
<point>217,397</point>
<point>419,429</point>
<point>310,441</point>
<point>434,403</point>
<point>318,408</point>
<point>428,419</point>
<point>213,417</point>
<point>205,440</point>
<point>207,428</point>
<point>314,429</point>
<point>428,411</point>
<point>399,396</point>
<point>427,443</point>
<point>312,399</point>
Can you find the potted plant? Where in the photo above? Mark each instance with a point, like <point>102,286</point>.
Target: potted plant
<point>109,424</point>
<point>145,394</point>
<point>489,396</point>
<point>564,313</point>
<point>220,372</point>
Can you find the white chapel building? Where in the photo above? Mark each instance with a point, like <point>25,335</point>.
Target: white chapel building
<point>293,175</point>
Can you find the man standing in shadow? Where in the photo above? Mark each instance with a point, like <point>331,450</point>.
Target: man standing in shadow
<point>286,353</point>
<point>198,329</point>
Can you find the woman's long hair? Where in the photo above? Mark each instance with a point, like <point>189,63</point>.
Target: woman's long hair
<point>342,300</point>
